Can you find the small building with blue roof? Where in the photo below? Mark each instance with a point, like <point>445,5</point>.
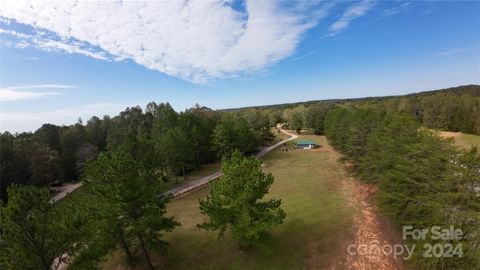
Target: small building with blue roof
<point>306,144</point>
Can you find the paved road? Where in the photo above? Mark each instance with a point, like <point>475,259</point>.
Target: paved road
<point>67,189</point>
<point>184,188</point>
<point>187,187</point>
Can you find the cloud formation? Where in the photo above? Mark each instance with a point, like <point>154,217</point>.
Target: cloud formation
<point>351,13</point>
<point>13,93</point>
<point>193,40</point>
<point>51,86</point>
<point>396,9</point>
<point>451,51</point>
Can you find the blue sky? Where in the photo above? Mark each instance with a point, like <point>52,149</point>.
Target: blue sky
<point>61,61</point>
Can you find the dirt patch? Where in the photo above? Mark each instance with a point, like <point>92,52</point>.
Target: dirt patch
<point>370,230</point>
<point>450,134</point>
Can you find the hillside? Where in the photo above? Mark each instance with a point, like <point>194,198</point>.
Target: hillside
<point>462,90</point>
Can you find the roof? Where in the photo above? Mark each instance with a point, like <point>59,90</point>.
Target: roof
<point>306,142</point>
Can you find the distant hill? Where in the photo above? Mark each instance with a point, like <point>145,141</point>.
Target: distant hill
<point>463,90</point>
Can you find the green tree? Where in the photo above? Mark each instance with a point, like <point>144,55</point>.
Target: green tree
<point>34,233</point>
<point>96,132</point>
<point>36,163</point>
<point>231,134</point>
<point>315,117</point>
<point>235,202</point>
<point>130,122</point>
<point>127,194</point>
<point>175,149</point>
<point>295,117</point>
<point>7,163</point>
<point>48,134</point>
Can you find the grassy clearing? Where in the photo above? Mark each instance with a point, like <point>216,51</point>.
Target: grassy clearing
<point>317,225</point>
<point>461,139</point>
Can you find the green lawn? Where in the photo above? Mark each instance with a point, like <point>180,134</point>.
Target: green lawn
<point>462,140</point>
<point>317,226</point>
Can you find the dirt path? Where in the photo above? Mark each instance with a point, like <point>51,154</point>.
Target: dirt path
<point>370,230</point>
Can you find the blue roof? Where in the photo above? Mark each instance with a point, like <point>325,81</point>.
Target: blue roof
<point>306,142</point>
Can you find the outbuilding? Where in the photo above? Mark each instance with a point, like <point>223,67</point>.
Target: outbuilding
<point>305,144</point>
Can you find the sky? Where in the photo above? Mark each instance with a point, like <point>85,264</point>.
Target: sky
<point>61,60</point>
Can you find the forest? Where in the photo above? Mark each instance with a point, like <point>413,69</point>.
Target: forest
<point>181,142</point>
<point>423,180</point>
<point>452,109</point>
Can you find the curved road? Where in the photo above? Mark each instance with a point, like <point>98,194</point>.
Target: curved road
<point>184,188</point>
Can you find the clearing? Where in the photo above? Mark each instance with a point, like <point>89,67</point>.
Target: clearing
<point>326,212</point>
<point>461,139</point>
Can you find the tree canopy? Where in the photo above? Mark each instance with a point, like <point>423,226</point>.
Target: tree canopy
<point>236,202</point>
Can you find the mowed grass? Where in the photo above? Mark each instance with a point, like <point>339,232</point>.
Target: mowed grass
<point>317,225</point>
<point>463,140</point>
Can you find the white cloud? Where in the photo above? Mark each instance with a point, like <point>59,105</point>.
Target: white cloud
<point>14,33</point>
<point>47,43</point>
<point>53,45</point>
<point>352,12</point>
<point>33,58</point>
<point>14,95</point>
<point>30,121</point>
<point>50,86</point>
<point>451,51</point>
<point>396,9</point>
<point>194,40</point>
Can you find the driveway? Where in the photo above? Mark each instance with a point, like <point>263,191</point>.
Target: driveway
<point>66,189</point>
<point>187,187</point>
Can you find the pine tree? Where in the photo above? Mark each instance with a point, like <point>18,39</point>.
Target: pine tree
<point>127,194</point>
<point>34,233</point>
<point>235,202</point>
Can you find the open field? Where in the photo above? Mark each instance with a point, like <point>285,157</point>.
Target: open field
<point>317,226</point>
<point>462,140</point>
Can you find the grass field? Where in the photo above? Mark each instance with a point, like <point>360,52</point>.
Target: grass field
<point>308,182</point>
<point>462,140</point>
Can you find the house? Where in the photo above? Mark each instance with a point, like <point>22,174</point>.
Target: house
<point>305,144</point>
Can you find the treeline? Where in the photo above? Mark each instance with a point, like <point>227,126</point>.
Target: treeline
<point>423,180</point>
<point>200,135</point>
<point>182,142</point>
<point>452,109</point>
